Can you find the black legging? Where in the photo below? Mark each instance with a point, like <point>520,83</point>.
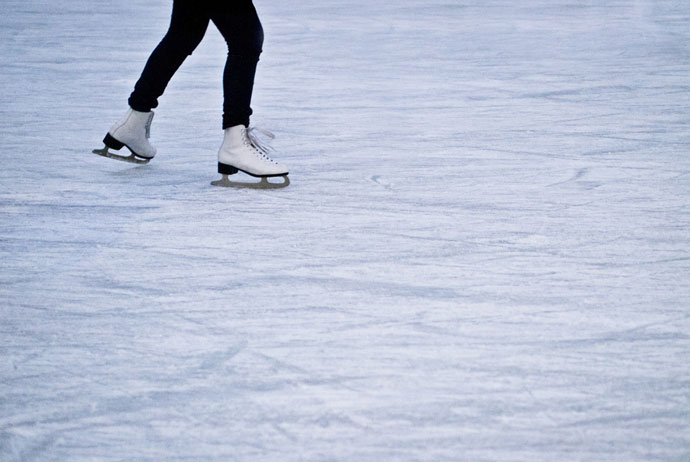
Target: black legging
<point>239,24</point>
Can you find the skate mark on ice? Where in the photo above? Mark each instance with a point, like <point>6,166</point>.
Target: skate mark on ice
<point>340,419</point>
<point>639,263</point>
<point>579,93</point>
<point>379,180</point>
<point>384,287</point>
<point>278,427</point>
<point>217,359</point>
<point>25,448</point>
<point>575,180</point>
<point>588,117</point>
<point>620,418</point>
<point>278,364</point>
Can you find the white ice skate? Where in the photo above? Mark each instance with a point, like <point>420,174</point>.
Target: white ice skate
<point>243,151</point>
<point>133,132</point>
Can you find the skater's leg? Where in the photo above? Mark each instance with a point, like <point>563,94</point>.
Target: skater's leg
<point>239,24</point>
<point>188,25</point>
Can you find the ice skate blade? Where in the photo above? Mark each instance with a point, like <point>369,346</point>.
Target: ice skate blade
<point>263,184</point>
<point>131,158</point>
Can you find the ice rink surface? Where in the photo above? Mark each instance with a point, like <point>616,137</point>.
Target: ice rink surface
<point>484,254</point>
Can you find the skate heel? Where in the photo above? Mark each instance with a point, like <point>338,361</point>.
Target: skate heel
<point>112,143</point>
<point>224,169</point>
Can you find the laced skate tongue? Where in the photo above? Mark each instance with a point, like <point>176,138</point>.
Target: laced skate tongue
<point>256,141</point>
<point>148,125</point>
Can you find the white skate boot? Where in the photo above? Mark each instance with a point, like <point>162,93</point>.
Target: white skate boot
<point>133,131</point>
<point>242,151</point>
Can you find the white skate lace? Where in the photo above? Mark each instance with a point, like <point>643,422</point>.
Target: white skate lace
<point>260,146</point>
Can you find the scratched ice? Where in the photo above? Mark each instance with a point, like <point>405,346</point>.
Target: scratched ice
<point>484,254</point>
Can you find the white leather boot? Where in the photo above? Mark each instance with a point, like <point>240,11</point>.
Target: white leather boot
<point>241,150</point>
<point>133,131</point>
